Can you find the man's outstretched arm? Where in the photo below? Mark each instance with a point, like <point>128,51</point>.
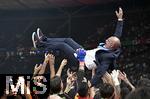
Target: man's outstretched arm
<point>119,27</point>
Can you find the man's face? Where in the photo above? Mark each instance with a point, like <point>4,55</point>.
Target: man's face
<point>112,43</point>
<point>109,43</point>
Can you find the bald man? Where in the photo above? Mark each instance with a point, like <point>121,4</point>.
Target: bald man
<point>103,57</point>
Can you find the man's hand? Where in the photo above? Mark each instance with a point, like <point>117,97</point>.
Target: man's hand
<point>63,63</point>
<point>37,68</point>
<point>107,78</point>
<point>123,76</point>
<point>71,75</point>
<point>70,81</point>
<point>46,58</point>
<point>119,14</point>
<point>51,59</point>
<point>114,76</point>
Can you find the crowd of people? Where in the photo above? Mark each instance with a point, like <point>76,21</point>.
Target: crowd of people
<point>76,85</point>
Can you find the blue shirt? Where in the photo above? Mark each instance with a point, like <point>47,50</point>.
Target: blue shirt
<point>102,47</point>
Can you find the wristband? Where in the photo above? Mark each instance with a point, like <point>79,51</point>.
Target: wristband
<point>120,19</point>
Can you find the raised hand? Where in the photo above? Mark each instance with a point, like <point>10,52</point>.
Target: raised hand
<point>114,76</point>
<point>70,82</point>
<point>51,59</point>
<point>107,78</point>
<point>122,76</point>
<point>119,14</point>
<point>46,58</point>
<point>71,75</point>
<point>37,68</point>
<point>63,63</point>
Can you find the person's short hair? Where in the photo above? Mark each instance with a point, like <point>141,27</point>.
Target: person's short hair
<point>55,84</point>
<point>83,89</point>
<point>106,90</point>
<point>140,93</point>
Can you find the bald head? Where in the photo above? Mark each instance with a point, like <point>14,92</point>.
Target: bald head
<point>112,42</point>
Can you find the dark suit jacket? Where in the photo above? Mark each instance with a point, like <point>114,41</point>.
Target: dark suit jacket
<point>106,60</point>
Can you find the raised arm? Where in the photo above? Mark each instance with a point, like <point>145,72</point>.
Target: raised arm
<point>42,70</point>
<point>51,64</point>
<point>123,77</point>
<point>36,70</point>
<point>119,27</point>
<point>63,63</point>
